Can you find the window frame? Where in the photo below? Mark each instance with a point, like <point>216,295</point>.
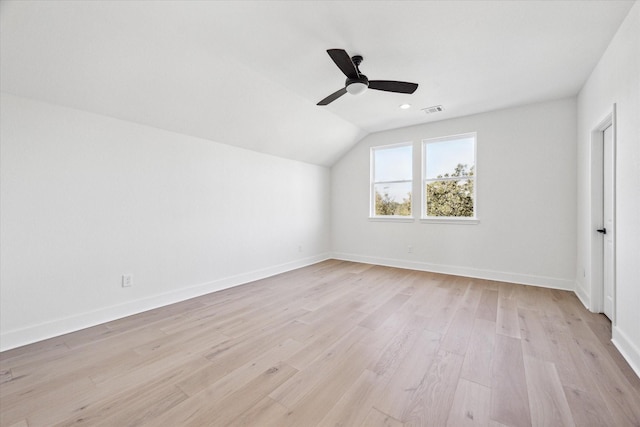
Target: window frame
<point>372,184</point>
<point>424,218</point>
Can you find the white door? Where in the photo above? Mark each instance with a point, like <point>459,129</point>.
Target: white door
<point>608,199</point>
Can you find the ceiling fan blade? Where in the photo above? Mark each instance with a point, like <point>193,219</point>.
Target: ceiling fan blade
<point>393,86</point>
<point>343,61</point>
<point>335,95</point>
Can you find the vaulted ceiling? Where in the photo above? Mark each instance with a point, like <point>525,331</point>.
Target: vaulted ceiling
<point>249,73</point>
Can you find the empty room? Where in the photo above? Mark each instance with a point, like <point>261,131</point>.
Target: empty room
<point>320,213</point>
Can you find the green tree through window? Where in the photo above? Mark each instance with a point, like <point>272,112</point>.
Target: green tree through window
<point>385,205</point>
<point>451,198</point>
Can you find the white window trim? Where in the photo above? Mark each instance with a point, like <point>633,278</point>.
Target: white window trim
<point>391,218</point>
<point>451,220</point>
<point>372,183</point>
<point>423,193</point>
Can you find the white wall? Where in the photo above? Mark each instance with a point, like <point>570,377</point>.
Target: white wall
<point>526,163</point>
<point>87,198</point>
<point>616,79</point>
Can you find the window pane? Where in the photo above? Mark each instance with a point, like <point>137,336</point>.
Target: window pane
<point>450,198</point>
<point>392,164</point>
<point>392,199</point>
<point>450,158</point>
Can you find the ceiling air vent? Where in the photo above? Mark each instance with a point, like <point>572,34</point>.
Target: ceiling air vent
<point>434,109</point>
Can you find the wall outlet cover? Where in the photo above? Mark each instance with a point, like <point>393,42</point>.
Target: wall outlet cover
<point>127,280</point>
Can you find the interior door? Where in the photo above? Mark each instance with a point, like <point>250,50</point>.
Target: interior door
<point>609,225</point>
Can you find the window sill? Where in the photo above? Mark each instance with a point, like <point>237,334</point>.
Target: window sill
<point>392,218</point>
<point>461,221</point>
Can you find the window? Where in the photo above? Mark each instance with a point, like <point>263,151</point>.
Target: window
<point>391,180</point>
<point>449,177</point>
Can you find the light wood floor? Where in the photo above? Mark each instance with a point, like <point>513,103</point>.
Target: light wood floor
<point>336,343</point>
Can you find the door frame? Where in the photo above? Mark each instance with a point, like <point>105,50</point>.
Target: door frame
<point>597,207</point>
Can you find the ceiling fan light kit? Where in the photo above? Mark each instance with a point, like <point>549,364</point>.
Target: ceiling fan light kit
<point>357,82</point>
<point>356,88</point>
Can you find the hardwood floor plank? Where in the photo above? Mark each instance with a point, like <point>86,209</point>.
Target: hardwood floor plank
<point>531,298</point>
<point>85,359</point>
<point>299,386</point>
<point>601,328</point>
<point>323,336</point>
<point>549,406</point>
<point>534,338</point>
<point>354,405</point>
<point>399,346</point>
<point>87,336</point>
<point>509,394</point>
<point>571,368</point>
<point>273,318</point>
<point>456,339</point>
<point>441,308</point>
<point>55,396</point>
<point>507,322</point>
<point>346,306</point>
<point>6,376</point>
<point>488,307</point>
<point>620,397</point>
<point>587,408</point>
<point>394,396</point>
<point>265,413</point>
<point>236,352</point>
<point>198,339</point>
<point>471,405</point>
<point>321,396</point>
<point>140,368</point>
<point>247,397</point>
<point>339,292</point>
<point>124,399</point>
<point>147,318</point>
<point>226,381</point>
<point>125,409</point>
<point>42,351</point>
<point>201,409</point>
<point>376,294</point>
<point>358,268</point>
<point>479,356</point>
<point>376,418</point>
<point>230,358</point>
<point>431,402</point>
<point>377,317</point>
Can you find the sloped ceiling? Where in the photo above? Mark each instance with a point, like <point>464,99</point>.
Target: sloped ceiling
<point>249,73</point>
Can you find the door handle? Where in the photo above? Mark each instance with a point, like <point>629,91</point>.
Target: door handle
<point>602,230</point>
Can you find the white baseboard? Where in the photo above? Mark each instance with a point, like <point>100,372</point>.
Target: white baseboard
<point>582,296</point>
<point>629,351</point>
<point>54,328</point>
<point>523,279</point>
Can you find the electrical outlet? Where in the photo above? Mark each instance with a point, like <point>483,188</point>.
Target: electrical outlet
<point>410,249</point>
<point>127,280</point>
<point>299,248</point>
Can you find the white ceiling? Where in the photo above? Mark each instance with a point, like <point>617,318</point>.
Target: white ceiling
<point>249,73</point>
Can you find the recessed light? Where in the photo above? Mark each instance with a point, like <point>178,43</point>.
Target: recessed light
<point>405,106</point>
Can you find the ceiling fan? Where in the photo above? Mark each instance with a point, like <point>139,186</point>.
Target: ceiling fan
<point>357,82</point>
